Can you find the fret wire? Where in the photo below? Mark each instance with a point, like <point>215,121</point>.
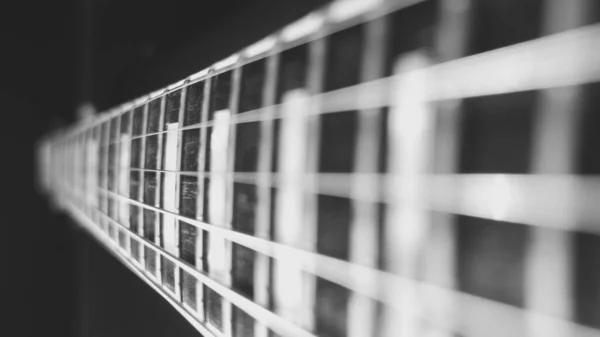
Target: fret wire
<point>105,146</point>
<point>158,220</point>
<point>116,172</point>
<point>317,54</point>
<point>177,194</point>
<point>441,254</point>
<point>140,193</point>
<point>200,211</point>
<point>233,100</point>
<point>262,280</point>
<point>364,232</point>
<point>554,142</point>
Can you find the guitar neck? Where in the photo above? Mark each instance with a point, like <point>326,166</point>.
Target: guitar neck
<point>377,168</point>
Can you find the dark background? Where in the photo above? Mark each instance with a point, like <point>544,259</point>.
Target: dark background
<point>56,281</point>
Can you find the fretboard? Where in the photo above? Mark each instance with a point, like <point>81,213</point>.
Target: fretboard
<point>377,168</point>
